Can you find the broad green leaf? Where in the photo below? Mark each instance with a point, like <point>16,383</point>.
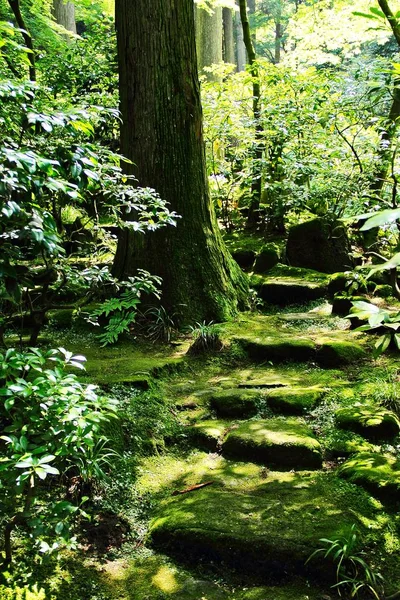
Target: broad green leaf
<point>383,217</point>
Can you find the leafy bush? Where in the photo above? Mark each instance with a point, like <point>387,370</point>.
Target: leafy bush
<point>51,426</point>
<point>379,319</point>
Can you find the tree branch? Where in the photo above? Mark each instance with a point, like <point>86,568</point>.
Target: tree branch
<point>16,9</point>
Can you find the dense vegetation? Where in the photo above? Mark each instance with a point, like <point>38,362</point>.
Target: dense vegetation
<point>200,202</point>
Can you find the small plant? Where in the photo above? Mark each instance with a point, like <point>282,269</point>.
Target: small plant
<point>160,325</point>
<point>353,573</point>
<point>121,312</point>
<point>206,339</point>
<point>379,319</point>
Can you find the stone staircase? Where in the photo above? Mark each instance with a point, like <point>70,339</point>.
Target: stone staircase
<point>270,496</point>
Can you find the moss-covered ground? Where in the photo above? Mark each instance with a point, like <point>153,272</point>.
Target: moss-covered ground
<point>258,423</point>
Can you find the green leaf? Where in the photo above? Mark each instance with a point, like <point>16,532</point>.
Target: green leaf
<point>383,217</point>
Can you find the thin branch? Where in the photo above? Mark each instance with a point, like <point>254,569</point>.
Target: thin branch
<point>352,148</point>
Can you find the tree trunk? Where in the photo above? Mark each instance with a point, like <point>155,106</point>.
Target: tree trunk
<point>278,38</point>
<point>16,9</point>
<point>162,133</point>
<point>208,39</point>
<point>385,150</point>
<point>64,14</point>
<point>229,44</point>
<point>240,47</point>
<point>256,186</point>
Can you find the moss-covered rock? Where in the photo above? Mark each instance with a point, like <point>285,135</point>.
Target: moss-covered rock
<point>339,282</point>
<point>266,259</point>
<point>244,258</point>
<point>383,291</point>
<point>378,473</point>
<point>285,291</point>
<point>286,443</point>
<point>270,530</point>
<point>374,422</point>
<point>209,434</point>
<point>279,349</point>
<point>240,403</point>
<point>337,353</point>
<point>341,305</point>
<point>319,244</point>
<point>293,400</point>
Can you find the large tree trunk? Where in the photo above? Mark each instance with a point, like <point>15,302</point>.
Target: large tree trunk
<point>229,43</point>
<point>162,133</point>
<point>208,39</point>
<point>64,14</point>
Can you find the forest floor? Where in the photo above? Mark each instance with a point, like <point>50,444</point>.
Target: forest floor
<point>253,454</point>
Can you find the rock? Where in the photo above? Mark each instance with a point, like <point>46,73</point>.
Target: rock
<point>286,443</point>
<point>284,292</point>
<point>244,258</point>
<point>269,528</point>
<point>333,354</point>
<point>383,291</point>
<point>267,258</point>
<point>293,400</point>
<point>342,305</point>
<point>279,349</point>
<point>321,245</point>
<point>372,421</point>
<point>378,473</point>
<point>241,403</point>
<point>208,434</point>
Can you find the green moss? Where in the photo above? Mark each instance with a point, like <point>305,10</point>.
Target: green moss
<point>284,291</point>
<point>294,400</point>
<point>369,420</point>
<point>286,443</point>
<point>279,348</point>
<point>340,443</point>
<point>379,473</point>
<point>383,291</point>
<point>208,434</point>
<point>336,353</point>
<point>235,402</point>
<point>271,530</point>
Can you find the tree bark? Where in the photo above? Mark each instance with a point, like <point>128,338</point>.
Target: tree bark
<point>256,185</point>
<point>208,39</point>
<point>229,44</point>
<point>278,38</point>
<point>162,134</point>
<point>240,47</point>
<point>64,14</point>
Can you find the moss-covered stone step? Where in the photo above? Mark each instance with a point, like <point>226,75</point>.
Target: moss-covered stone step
<point>327,352</point>
<point>209,434</point>
<point>293,400</point>
<point>236,402</point>
<point>244,402</point>
<point>271,529</point>
<point>284,291</point>
<point>372,421</point>
<point>378,473</point>
<point>285,443</point>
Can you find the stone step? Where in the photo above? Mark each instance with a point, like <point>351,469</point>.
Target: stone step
<point>285,285</point>
<point>244,402</point>
<point>378,473</point>
<point>328,352</point>
<point>284,443</point>
<point>269,529</point>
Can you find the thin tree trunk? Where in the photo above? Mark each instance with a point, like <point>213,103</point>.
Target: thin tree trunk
<point>229,44</point>
<point>256,185</point>
<point>16,9</point>
<point>240,47</point>
<point>64,14</point>
<point>278,38</point>
<point>162,134</point>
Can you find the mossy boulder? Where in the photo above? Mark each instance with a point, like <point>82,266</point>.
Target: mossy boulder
<point>339,353</point>
<point>266,259</point>
<point>241,403</point>
<point>286,443</point>
<point>378,473</point>
<point>372,421</point>
<point>279,349</point>
<point>293,400</point>
<point>319,244</point>
<point>244,258</point>
<point>270,530</point>
<point>339,282</point>
<point>383,291</point>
